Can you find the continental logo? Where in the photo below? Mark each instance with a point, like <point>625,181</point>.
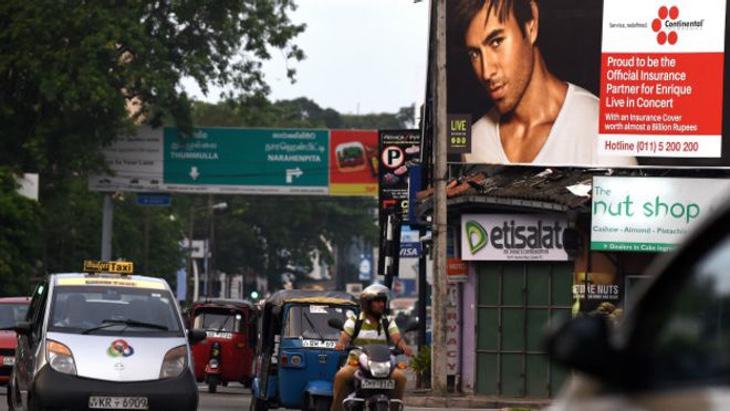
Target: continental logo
<point>668,24</point>
<point>512,236</point>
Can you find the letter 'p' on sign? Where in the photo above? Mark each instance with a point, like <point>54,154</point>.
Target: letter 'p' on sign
<point>393,157</point>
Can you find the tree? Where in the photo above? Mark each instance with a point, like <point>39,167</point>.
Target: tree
<point>69,71</point>
<point>258,111</point>
<point>20,248</point>
<point>273,235</point>
<point>74,75</point>
<point>145,235</point>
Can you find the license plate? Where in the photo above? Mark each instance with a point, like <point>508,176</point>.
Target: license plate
<point>378,384</point>
<point>9,361</point>
<point>118,403</point>
<point>318,344</point>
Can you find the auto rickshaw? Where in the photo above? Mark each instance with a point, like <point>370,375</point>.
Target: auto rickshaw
<point>295,357</point>
<point>227,354</point>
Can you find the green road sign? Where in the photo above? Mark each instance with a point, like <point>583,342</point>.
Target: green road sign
<point>234,160</point>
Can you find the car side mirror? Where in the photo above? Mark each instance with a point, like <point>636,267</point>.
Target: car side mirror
<point>23,328</point>
<point>195,336</point>
<point>336,323</point>
<point>584,344</point>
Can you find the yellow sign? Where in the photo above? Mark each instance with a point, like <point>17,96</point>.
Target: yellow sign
<point>112,282</point>
<point>114,267</point>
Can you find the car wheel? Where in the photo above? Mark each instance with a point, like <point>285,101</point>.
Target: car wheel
<point>9,395</point>
<point>33,404</point>
<point>13,395</point>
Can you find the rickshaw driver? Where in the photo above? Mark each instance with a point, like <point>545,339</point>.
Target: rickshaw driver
<point>371,327</point>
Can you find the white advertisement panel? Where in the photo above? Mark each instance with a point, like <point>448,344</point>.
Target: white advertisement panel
<point>647,214</point>
<point>512,237</point>
<point>662,76</point>
<point>136,163</point>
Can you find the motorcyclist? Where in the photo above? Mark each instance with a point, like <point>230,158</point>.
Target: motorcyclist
<point>371,327</point>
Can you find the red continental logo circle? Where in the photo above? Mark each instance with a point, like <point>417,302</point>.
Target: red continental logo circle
<point>665,36</point>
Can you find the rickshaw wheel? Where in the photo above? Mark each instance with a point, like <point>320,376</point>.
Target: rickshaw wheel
<point>381,406</point>
<point>258,405</point>
<point>212,384</point>
<point>321,403</point>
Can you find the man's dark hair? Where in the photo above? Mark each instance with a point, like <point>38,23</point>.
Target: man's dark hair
<point>467,9</point>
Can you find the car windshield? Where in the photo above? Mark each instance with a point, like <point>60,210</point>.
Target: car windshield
<point>310,321</point>
<point>11,314</point>
<point>217,320</point>
<point>114,310</point>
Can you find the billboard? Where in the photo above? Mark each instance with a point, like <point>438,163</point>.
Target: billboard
<point>650,214</point>
<point>247,161</point>
<point>135,162</point>
<point>399,151</point>
<point>354,162</point>
<point>519,237</point>
<point>243,161</point>
<point>589,83</point>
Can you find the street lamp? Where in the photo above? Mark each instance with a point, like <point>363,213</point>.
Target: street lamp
<point>210,207</point>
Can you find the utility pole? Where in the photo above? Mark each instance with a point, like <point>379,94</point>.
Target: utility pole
<point>146,269</point>
<point>439,302</point>
<point>211,245</point>
<point>107,221</point>
<point>191,280</point>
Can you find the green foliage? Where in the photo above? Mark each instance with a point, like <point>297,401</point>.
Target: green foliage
<point>421,363</point>
<point>149,237</point>
<point>68,73</point>
<point>20,250</point>
<point>271,235</point>
<point>69,69</point>
<point>145,235</point>
<point>258,111</point>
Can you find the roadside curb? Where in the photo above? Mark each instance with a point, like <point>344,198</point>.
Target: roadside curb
<point>474,402</point>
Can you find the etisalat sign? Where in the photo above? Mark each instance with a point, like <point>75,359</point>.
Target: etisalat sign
<point>645,214</point>
<point>512,237</point>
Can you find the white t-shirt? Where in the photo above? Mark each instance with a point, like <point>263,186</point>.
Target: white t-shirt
<point>573,139</point>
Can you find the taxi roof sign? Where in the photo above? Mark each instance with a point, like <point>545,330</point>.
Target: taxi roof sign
<point>113,267</point>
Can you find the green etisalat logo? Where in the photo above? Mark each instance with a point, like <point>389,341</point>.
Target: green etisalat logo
<point>476,236</point>
<point>515,235</point>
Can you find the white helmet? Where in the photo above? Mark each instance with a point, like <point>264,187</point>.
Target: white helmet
<point>373,292</point>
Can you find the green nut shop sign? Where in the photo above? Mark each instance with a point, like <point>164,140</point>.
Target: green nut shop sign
<point>646,214</point>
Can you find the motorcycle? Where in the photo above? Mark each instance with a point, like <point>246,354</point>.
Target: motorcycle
<point>374,390</point>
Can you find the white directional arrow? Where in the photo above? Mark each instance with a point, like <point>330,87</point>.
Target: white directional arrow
<point>194,173</point>
<point>293,172</point>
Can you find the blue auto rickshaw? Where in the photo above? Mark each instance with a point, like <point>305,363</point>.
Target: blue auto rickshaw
<point>296,360</point>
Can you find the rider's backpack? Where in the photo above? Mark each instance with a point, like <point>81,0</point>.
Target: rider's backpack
<point>382,326</point>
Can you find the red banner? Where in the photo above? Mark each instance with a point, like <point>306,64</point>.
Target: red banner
<point>354,162</point>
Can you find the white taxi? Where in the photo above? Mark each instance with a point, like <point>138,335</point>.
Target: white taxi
<point>103,339</point>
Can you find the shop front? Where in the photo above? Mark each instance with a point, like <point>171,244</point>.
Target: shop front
<point>521,278</point>
<point>525,258</point>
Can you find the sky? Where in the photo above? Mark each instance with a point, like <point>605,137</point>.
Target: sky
<point>363,56</point>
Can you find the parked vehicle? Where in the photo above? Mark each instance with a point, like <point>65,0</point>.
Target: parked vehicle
<point>12,311</point>
<point>672,349</point>
<point>296,358</point>
<point>227,353</point>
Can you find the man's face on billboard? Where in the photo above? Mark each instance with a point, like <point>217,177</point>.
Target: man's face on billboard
<point>501,55</point>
